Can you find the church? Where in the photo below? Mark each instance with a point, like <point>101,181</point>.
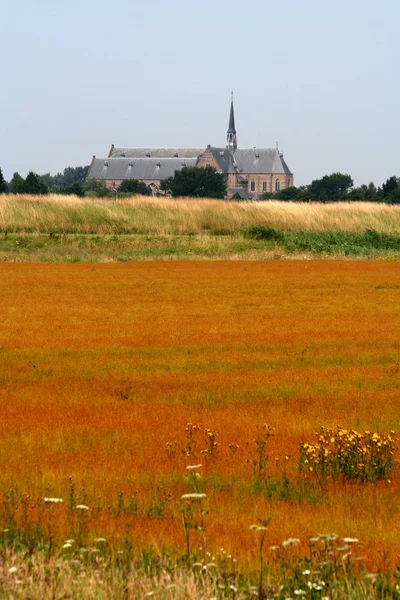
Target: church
<point>249,172</point>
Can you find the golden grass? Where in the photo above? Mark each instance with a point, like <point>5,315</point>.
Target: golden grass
<point>163,216</point>
<point>102,365</point>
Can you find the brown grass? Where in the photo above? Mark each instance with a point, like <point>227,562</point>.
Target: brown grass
<point>102,365</point>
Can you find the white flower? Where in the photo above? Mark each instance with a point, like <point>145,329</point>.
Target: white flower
<point>66,545</point>
<point>274,548</point>
<point>12,570</point>
<point>349,540</point>
<point>258,528</point>
<point>82,507</point>
<point>193,467</point>
<point>299,592</point>
<point>53,500</point>
<point>193,496</point>
<point>100,540</point>
<point>291,542</point>
<point>306,572</point>
<point>69,541</point>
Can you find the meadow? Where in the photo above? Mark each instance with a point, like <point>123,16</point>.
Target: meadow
<point>66,228</point>
<point>154,416</point>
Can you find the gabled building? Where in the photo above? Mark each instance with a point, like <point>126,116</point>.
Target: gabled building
<point>249,172</point>
<point>149,165</point>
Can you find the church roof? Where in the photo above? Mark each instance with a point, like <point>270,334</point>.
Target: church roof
<point>231,126</point>
<point>251,161</point>
<point>154,152</point>
<point>137,168</point>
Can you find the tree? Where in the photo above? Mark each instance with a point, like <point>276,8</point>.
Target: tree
<point>75,189</point>
<point>287,194</point>
<point>96,188</point>
<point>34,184</point>
<point>17,184</point>
<point>133,186</point>
<point>390,186</point>
<point>195,182</point>
<point>331,188</point>
<point>3,183</point>
<point>394,196</point>
<point>60,182</point>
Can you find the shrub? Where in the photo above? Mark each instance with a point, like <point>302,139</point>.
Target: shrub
<point>262,232</point>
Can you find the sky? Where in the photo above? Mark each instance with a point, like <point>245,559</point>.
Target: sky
<point>320,77</point>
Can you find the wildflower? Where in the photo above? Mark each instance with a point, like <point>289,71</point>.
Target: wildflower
<point>53,500</point>
<point>290,542</point>
<point>273,548</point>
<point>100,540</point>
<point>193,496</point>
<point>306,572</point>
<point>349,540</point>
<point>82,507</point>
<point>66,545</point>
<point>299,593</point>
<point>12,570</point>
<point>193,467</point>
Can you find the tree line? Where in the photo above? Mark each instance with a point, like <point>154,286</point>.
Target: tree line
<point>202,183</point>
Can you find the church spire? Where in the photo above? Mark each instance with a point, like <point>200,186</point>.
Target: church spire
<point>231,140</point>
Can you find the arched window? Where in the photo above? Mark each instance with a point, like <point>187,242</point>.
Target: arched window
<point>277,185</point>
<point>264,186</point>
<point>252,186</point>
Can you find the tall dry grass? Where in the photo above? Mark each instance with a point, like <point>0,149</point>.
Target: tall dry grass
<point>163,216</point>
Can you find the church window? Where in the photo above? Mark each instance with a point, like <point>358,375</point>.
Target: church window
<point>252,186</point>
<point>264,186</point>
<point>277,185</point>
<point>289,183</point>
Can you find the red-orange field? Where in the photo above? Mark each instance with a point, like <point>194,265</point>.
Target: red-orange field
<point>101,366</point>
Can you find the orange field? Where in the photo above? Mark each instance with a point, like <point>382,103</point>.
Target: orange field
<point>102,367</point>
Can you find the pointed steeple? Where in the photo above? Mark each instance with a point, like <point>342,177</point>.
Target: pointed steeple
<point>231,140</point>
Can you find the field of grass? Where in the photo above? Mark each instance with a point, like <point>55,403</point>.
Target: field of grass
<point>66,228</point>
<point>103,366</point>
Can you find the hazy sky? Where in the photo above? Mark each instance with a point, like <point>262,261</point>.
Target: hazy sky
<point>319,76</point>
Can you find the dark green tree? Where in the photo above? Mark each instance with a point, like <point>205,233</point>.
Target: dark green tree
<point>133,186</point>
<point>17,184</point>
<point>75,189</point>
<point>195,182</point>
<point>287,194</point>
<point>3,184</point>
<point>331,188</point>
<point>390,186</point>
<point>34,184</point>
<point>394,196</point>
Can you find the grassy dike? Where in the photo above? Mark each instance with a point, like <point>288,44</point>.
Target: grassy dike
<point>66,228</point>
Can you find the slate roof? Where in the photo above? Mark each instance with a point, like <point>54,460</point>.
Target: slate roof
<point>251,161</point>
<point>155,152</point>
<point>231,126</point>
<point>137,168</point>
